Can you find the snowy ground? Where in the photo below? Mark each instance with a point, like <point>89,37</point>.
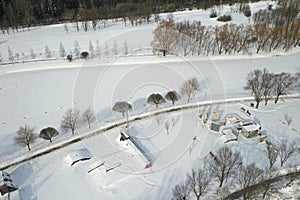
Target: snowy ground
<point>40,98</point>
<point>175,153</point>
<point>39,93</point>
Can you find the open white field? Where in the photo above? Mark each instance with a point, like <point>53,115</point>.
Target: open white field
<point>175,154</point>
<point>39,93</point>
<point>40,98</point>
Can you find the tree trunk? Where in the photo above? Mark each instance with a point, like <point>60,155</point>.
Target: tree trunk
<point>28,146</point>
<point>276,99</point>
<point>266,102</point>
<point>221,183</point>
<point>73,131</point>
<point>127,118</point>
<point>257,104</point>
<point>50,140</point>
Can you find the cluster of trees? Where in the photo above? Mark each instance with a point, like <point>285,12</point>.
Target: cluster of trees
<point>263,85</point>
<point>189,88</point>
<point>25,13</point>
<point>227,166</point>
<point>72,118</point>
<point>94,50</point>
<point>193,38</point>
<point>70,122</point>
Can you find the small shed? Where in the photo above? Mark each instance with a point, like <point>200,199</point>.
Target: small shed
<point>216,125</point>
<point>251,130</point>
<point>78,155</point>
<point>6,183</point>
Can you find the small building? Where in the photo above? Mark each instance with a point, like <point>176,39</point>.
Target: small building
<point>6,184</point>
<point>78,155</point>
<point>216,125</point>
<point>251,130</point>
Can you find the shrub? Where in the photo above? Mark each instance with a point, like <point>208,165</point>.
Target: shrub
<point>170,7</point>
<point>84,54</point>
<point>213,14</point>
<point>224,18</point>
<point>247,11</point>
<point>69,58</point>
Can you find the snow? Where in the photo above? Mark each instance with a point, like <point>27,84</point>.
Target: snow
<point>38,94</point>
<point>76,156</point>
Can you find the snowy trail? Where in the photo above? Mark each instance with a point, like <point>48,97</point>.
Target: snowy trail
<point>48,149</point>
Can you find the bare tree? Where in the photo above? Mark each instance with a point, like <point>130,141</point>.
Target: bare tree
<point>284,82</point>
<point>122,107</point>
<point>286,151</point>
<point>98,49</point>
<point>267,84</point>
<point>167,126</point>
<point>106,50</point>
<point>255,80</point>
<point>91,48</point>
<point>164,37</point>
<point>172,96</point>
<point>190,87</point>
<point>88,116</point>
<point>248,176</point>
<point>76,49</point>
<point>223,163</point>
<point>11,57</point>
<point>66,28</point>
<point>114,49</point>
<point>125,47</point>
<point>48,53</point>
<point>48,133</point>
<point>32,54</point>
<point>156,99</point>
<point>198,182</point>
<point>181,192</point>
<point>271,152</point>
<point>267,183</point>
<point>25,137</point>
<point>70,120</point>
<point>62,51</point>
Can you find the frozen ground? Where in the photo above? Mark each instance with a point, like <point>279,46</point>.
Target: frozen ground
<point>174,153</point>
<point>39,93</point>
<point>40,98</point>
<point>114,32</point>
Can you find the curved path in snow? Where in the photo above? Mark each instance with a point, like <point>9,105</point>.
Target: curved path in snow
<point>56,146</point>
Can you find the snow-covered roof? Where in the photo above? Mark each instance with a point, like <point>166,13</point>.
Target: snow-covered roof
<point>78,155</point>
<point>251,127</point>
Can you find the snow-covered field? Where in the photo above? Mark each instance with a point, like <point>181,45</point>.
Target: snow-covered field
<point>39,93</point>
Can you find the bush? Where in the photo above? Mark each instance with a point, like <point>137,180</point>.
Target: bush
<point>224,18</point>
<point>247,11</point>
<point>213,14</point>
<point>84,54</point>
<point>69,58</point>
<point>170,7</point>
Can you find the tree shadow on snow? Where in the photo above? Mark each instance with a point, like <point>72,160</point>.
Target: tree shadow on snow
<point>105,115</point>
<point>21,177</point>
